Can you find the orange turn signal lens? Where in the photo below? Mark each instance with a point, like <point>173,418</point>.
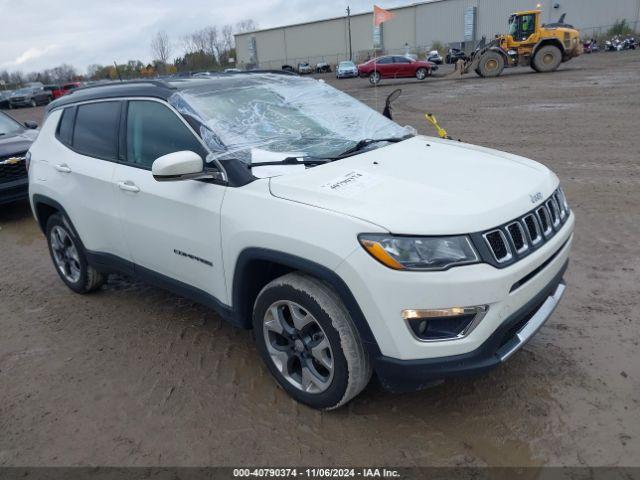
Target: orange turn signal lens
<point>379,253</point>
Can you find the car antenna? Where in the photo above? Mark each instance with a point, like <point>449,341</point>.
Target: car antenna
<point>117,71</point>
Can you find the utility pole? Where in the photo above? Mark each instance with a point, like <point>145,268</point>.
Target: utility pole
<point>349,28</point>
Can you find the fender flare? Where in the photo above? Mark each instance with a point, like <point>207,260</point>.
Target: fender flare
<point>39,199</point>
<point>547,41</point>
<point>241,288</point>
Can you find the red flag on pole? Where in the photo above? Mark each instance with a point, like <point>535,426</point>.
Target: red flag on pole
<point>381,15</point>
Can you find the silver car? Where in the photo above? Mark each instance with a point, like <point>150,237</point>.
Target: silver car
<point>346,69</point>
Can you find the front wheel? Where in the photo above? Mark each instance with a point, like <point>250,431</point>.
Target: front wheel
<point>309,342</point>
<point>33,103</point>
<point>491,64</point>
<point>68,257</point>
<point>421,73</point>
<point>374,78</point>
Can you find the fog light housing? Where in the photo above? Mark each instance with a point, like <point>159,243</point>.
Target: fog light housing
<point>436,325</point>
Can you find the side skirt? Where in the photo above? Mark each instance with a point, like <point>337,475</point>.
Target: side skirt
<point>108,263</point>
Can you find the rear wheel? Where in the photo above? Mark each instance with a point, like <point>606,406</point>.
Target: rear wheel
<point>68,257</point>
<point>547,59</point>
<point>33,102</point>
<point>374,78</point>
<point>309,343</point>
<point>421,73</point>
<point>491,64</point>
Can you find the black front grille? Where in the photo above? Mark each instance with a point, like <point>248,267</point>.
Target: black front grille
<point>498,245</point>
<point>543,216</point>
<point>503,245</point>
<point>517,236</point>
<point>13,171</point>
<point>532,227</point>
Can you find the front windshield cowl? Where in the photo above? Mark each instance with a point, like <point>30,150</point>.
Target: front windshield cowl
<point>280,114</point>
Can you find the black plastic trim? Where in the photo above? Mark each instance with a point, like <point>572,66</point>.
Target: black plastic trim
<point>108,263</point>
<point>242,282</point>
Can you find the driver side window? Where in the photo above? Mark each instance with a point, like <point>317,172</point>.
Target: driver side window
<point>153,130</point>
<point>527,26</point>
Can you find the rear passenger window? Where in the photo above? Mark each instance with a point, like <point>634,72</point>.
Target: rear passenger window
<point>153,130</point>
<point>96,131</point>
<point>65,127</point>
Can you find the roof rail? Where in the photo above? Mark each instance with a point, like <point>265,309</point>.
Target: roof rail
<point>157,83</point>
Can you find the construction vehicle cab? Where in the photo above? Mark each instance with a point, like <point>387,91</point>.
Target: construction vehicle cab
<point>527,43</point>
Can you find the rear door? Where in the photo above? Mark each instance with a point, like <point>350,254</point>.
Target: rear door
<point>171,228</point>
<point>79,172</point>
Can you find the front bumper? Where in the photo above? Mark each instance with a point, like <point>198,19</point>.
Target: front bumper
<point>508,338</point>
<point>14,190</point>
<point>346,74</point>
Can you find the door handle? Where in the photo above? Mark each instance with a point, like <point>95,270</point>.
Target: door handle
<point>63,167</point>
<point>128,186</point>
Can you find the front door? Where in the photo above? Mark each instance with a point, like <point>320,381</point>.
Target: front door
<point>171,228</point>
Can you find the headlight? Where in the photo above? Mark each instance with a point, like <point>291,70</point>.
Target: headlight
<point>419,253</point>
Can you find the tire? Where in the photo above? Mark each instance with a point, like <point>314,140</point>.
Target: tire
<point>547,59</point>
<point>491,64</point>
<point>319,359</point>
<point>374,78</point>
<point>68,256</point>
<point>421,73</point>
<point>33,103</point>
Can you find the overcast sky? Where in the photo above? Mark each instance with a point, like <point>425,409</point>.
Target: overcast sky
<point>39,34</point>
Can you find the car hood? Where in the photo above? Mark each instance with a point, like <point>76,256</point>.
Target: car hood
<point>18,143</point>
<point>423,186</point>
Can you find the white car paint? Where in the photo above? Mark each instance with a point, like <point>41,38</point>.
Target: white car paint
<point>421,186</point>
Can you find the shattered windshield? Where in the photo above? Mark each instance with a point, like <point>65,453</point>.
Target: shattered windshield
<point>281,114</point>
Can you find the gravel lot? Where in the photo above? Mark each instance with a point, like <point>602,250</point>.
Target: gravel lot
<point>133,375</point>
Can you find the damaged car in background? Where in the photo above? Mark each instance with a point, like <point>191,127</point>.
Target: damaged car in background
<point>15,140</point>
<point>350,245</point>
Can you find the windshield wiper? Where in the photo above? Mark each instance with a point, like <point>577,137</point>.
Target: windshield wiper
<point>365,142</point>
<point>291,161</point>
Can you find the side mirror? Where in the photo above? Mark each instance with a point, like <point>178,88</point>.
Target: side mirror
<point>31,125</point>
<point>184,165</point>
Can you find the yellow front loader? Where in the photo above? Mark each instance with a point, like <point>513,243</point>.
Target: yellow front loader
<point>527,44</point>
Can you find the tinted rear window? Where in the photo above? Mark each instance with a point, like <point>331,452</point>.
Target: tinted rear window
<point>96,131</point>
<point>65,127</point>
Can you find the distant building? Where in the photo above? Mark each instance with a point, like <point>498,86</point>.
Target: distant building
<point>416,27</point>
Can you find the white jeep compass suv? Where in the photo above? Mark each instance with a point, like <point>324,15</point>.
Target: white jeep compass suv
<point>350,245</point>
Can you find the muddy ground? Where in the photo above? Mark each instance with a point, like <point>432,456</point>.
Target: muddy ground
<point>133,375</point>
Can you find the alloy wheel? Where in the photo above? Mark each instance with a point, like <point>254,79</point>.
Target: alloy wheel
<point>298,346</point>
<point>65,254</point>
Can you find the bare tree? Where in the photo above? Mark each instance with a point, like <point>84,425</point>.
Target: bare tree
<point>214,44</point>
<point>227,37</point>
<point>246,26</point>
<point>161,47</point>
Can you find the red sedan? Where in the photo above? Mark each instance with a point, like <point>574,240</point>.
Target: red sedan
<point>395,66</point>
<point>56,91</point>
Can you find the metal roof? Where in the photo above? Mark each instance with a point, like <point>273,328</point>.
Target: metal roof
<point>341,17</point>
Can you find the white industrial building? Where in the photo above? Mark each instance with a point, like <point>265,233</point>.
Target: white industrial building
<point>416,27</point>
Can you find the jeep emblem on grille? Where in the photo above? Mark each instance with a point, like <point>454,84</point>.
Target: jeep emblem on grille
<point>536,197</point>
